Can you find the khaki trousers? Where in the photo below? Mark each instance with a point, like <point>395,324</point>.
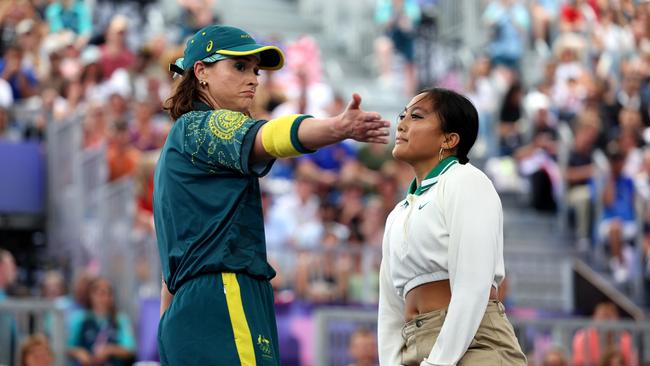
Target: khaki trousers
<point>494,344</point>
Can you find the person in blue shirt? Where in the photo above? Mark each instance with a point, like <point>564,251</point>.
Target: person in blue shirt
<point>22,80</point>
<point>217,301</point>
<point>101,335</point>
<point>509,24</point>
<point>617,225</point>
<point>72,15</point>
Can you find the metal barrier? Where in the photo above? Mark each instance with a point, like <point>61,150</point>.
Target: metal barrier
<point>94,172</point>
<point>116,255</point>
<point>65,207</point>
<point>89,219</point>
<point>562,331</point>
<point>333,327</point>
<point>338,275</point>
<point>21,318</point>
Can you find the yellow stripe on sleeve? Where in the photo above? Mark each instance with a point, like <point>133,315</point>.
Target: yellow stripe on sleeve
<point>243,338</point>
<point>276,137</point>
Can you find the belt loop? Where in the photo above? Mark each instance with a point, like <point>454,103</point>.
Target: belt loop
<point>502,308</point>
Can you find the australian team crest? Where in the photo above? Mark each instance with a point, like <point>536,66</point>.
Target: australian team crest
<point>265,346</point>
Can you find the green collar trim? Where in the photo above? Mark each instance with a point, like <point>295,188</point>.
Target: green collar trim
<point>432,178</point>
<point>201,106</point>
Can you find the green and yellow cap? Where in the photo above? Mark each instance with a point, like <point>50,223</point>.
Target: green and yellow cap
<point>218,42</point>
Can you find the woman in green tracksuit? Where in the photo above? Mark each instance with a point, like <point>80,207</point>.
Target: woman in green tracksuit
<point>217,302</point>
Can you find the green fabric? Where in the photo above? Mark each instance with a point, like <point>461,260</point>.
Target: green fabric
<point>430,179</point>
<point>295,141</point>
<point>197,328</point>
<point>207,200</point>
<point>205,43</point>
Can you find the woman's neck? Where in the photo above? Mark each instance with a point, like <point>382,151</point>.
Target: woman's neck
<point>422,168</point>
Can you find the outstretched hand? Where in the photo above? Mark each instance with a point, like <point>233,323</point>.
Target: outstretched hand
<point>362,126</point>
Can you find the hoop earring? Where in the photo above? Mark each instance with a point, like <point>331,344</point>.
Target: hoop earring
<point>442,149</point>
<point>203,83</point>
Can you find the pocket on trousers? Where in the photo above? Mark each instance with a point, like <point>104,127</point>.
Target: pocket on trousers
<point>409,352</point>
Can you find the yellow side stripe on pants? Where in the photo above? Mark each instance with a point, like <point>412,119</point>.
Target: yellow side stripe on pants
<point>243,339</point>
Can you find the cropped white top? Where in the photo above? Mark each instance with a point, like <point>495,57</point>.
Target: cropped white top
<point>450,227</point>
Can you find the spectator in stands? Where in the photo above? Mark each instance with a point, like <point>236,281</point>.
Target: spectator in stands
<point>569,90</point>
<point>587,342</point>
<point>617,226</point>
<point>510,114</point>
<point>144,133</point>
<point>196,14</point>
<point>555,357</point>
<point>36,351</point>
<point>29,38</point>
<point>122,157</point>
<point>114,53</point>
<point>443,246</point>
<point>642,186</point>
<point>11,13</point>
<point>8,330</point>
<point>629,142</point>
<point>7,272</point>
<point>508,23</point>
<point>579,172</point>
<point>362,348</point>
<point>22,79</point>
<point>72,15</point>
<point>484,94</point>
<point>612,39</point>
<point>536,159</point>
<point>578,16</point>
<point>373,219</point>
<point>628,96</point>
<point>399,20</point>
<point>102,335</point>
<point>9,131</point>
<point>613,357</point>
<point>322,276</point>
<point>53,288</point>
<point>544,14</point>
<point>292,231</point>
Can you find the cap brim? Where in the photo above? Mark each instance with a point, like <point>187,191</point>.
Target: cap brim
<point>271,57</point>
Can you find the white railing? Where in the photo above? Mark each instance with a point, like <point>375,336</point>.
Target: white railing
<point>21,318</point>
<point>333,327</point>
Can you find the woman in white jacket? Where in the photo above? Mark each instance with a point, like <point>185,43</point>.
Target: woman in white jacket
<point>443,247</point>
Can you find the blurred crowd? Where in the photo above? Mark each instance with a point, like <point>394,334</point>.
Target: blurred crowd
<point>570,125</point>
<point>562,88</point>
<point>563,93</point>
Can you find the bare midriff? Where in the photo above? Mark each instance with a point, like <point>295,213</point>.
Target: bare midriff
<point>427,298</point>
<point>430,297</point>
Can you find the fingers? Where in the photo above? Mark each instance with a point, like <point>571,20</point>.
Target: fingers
<point>377,124</point>
<point>355,103</point>
<point>375,140</point>
<point>371,116</point>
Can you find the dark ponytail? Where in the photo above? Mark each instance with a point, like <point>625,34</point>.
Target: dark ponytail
<point>457,115</point>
